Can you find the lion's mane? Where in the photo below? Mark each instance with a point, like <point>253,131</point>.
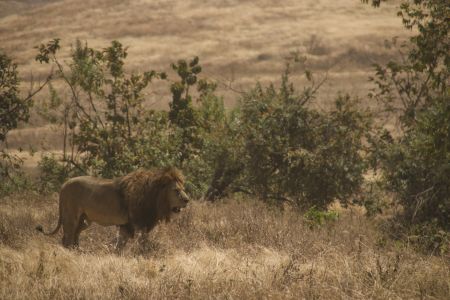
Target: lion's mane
<point>143,194</point>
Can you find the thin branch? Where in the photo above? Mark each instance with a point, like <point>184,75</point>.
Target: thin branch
<point>91,101</point>
<point>314,90</point>
<point>72,88</point>
<point>31,94</point>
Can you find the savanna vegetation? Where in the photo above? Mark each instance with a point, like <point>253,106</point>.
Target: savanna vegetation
<point>294,201</point>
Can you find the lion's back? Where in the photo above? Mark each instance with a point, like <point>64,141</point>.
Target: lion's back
<point>85,184</point>
<point>98,198</point>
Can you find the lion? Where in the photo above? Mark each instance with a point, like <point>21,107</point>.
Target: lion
<point>137,201</point>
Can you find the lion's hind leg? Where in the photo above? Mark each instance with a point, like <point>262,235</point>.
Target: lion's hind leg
<point>70,229</point>
<point>83,224</point>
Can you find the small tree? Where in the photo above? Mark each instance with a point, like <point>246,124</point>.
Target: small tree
<point>200,132</point>
<point>13,110</point>
<point>415,165</point>
<point>182,113</point>
<point>107,129</point>
<point>410,86</point>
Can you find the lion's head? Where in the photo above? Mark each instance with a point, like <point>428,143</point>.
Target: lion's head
<point>153,196</point>
<point>176,196</point>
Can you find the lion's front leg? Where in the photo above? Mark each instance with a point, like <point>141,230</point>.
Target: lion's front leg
<point>143,237</point>
<point>125,233</point>
<point>145,245</point>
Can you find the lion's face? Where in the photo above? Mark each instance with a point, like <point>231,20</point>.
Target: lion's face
<point>177,197</point>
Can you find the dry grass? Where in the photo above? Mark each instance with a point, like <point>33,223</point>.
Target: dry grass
<point>239,42</point>
<point>233,249</point>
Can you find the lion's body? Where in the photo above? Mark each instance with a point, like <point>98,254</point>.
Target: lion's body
<point>137,201</point>
<point>98,199</point>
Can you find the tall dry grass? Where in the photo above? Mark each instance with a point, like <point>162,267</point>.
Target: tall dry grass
<point>236,249</point>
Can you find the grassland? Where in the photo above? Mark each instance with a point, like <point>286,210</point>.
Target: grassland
<point>236,249</point>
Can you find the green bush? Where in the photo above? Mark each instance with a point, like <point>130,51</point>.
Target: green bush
<point>415,165</point>
<point>295,153</point>
<point>430,237</point>
<point>373,197</point>
<point>315,217</point>
<point>225,156</point>
<point>15,180</point>
<point>200,134</point>
<point>107,129</point>
<point>14,109</point>
<point>52,174</point>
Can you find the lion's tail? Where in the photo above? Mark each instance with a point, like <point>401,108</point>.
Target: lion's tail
<point>41,229</point>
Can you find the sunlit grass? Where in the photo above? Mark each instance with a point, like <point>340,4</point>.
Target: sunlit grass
<point>232,249</point>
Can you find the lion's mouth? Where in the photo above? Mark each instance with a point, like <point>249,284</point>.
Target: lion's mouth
<point>176,209</point>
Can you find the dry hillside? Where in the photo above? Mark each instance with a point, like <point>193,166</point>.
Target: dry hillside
<point>238,42</point>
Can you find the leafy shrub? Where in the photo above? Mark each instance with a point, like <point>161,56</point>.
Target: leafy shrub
<point>200,134</point>
<point>316,218</point>
<point>13,110</point>
<point>52,174</point>
<point>295,153</point>
<point>373,197</point>
<point>415,165</point>
<point>15,182</point>
<point>429,237</point>
<point>226,153</point>
<point>107,129</point>
<point>182,114</point>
